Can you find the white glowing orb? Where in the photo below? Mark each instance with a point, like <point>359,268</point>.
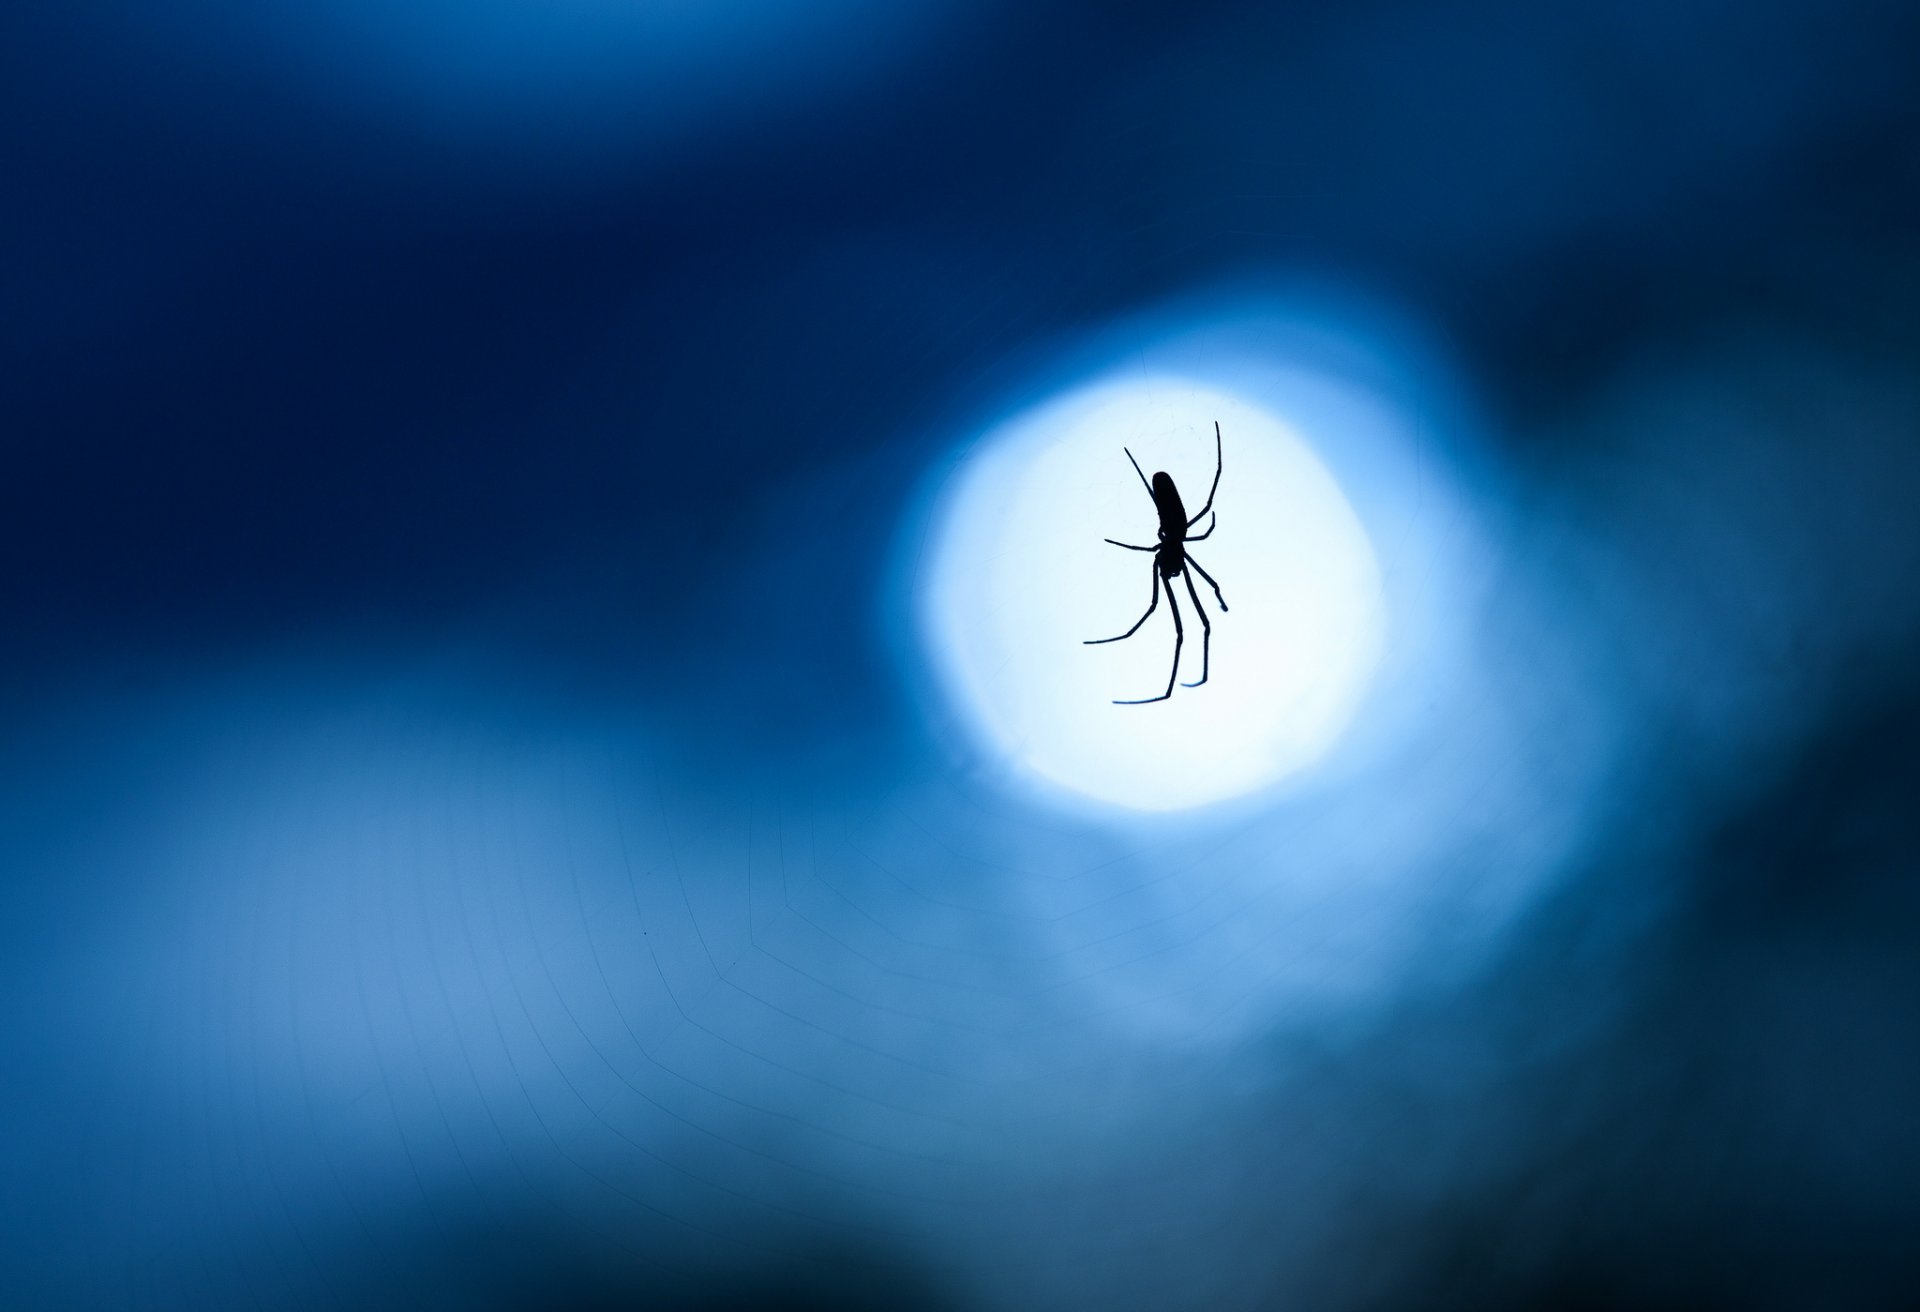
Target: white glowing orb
<point>1019,578</point>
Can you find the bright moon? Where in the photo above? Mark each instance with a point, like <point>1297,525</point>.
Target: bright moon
<point>1020,578</point>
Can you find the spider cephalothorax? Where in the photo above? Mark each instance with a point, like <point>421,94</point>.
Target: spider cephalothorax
<point>1171,560</point>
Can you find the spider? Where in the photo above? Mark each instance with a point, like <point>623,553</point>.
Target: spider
<point>1171,559</point>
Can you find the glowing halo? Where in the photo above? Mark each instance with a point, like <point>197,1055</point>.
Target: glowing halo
<point>1023,578</point>
<point>1333,525</point>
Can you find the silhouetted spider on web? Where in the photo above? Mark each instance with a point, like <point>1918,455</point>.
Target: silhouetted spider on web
<point>1171,558</point>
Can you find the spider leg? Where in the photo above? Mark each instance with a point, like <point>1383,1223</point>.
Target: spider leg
<point>1198,537</point>
<point>1179,636</point>
<point>1216,478</point>
<point>1210,583</point>
<point>1206,628</point>
<point>1143,478</point>
<point>1094,642</point>
<point>1128,545</point>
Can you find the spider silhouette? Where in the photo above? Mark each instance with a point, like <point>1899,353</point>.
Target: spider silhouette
<point>1171,559</point>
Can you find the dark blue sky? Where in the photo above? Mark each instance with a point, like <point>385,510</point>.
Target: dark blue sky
<point>452,479</point>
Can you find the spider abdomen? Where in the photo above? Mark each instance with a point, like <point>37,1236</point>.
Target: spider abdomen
<point>1173,513</point>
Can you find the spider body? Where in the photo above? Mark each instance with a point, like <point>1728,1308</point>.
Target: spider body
<point>1172,560</point>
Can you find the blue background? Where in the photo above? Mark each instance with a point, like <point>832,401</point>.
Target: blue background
<point>472,834</point>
